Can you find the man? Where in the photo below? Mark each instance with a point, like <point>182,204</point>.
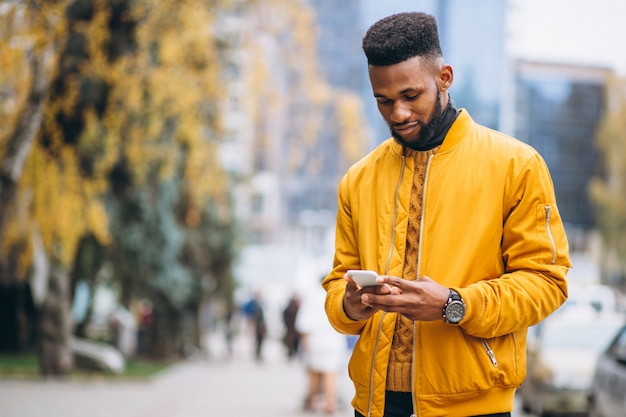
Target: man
<point>461,223</point>
<point>291,338</point>
<point>256,315</point>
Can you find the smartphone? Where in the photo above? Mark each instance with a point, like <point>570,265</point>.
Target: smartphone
<point>364,278</point>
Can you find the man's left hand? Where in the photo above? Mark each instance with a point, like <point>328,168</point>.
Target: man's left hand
<point>422,299</point>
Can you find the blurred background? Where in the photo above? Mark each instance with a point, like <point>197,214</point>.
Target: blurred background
<point>162,163</point>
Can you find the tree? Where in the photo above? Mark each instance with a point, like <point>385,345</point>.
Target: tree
<point>608,190</point>
<point>31,36</point>
<point>119,169</point>
<point>131,121</point>
<point>137,102</point>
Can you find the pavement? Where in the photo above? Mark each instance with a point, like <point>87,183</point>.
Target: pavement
<point>209,385</point>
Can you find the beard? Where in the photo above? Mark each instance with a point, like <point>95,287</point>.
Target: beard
<point>427,130</point>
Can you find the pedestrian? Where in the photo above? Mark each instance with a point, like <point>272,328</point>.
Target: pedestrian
<point>461,223</point>
<point>256,315</point>
<point>323,352</point>
<point>291,337</point>
<point>229,328</point>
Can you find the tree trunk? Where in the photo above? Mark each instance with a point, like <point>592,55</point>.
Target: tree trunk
<point>21,140</point>
<point>166,331</point>
<point>56,358</point>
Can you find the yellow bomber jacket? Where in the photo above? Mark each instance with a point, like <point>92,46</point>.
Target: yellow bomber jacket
<point>490,229</point>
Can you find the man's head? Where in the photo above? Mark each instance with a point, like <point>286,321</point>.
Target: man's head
<point>401,36</point>
<point>408,75</point>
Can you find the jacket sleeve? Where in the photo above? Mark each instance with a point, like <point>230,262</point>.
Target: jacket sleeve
<point>535,256</point>
<point>346,257</point>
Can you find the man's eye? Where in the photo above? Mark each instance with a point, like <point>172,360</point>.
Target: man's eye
<point>383,101</point>
<point>412,97</point>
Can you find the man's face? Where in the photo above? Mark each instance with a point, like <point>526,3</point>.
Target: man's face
<point>411,96</point>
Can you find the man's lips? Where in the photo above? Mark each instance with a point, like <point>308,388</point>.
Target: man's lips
<point>405,128</point>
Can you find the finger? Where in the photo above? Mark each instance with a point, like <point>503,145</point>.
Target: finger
<point>366,299</point>
<point>350,282</point>
<point>426,278</point>
<point>383,289</point>
<point>392,280</point>
<point>374,289</point>
<point>380,302</point>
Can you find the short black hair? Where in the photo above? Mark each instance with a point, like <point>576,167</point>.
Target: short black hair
<point>401,36</point>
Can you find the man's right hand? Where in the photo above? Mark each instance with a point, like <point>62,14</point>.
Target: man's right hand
<point>353,305</point>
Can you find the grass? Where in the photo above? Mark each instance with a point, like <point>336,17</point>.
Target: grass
<point>18,365</point>
<point>26,365</point>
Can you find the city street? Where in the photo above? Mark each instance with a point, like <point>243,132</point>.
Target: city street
<point>203,387</point>
<point>206,386</point>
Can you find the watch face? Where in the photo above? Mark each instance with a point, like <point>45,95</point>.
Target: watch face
<point>455,312</point>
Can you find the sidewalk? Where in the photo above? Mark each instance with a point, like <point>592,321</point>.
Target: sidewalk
<point>208,387</point>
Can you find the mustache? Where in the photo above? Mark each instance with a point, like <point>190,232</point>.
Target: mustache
<point>417,122</point>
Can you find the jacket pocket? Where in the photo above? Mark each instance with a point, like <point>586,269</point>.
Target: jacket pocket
<point>477,364</point>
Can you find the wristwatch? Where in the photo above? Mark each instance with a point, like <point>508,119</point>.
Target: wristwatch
<point>454,309</point>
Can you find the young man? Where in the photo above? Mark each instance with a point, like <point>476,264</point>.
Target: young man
<point>462,225</point>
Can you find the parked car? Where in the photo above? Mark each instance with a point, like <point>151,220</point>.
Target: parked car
<point>607,395</point>
<point>561,360</point>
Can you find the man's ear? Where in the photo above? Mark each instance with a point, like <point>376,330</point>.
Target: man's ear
<point>445,77</point>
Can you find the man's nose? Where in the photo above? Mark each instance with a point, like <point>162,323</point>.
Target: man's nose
<point>400,112</point>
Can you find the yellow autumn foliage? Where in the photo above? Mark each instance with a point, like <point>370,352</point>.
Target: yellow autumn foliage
<point>163,110</point>
<point>160,116</point>
<point>64,206</point>
<point>24,31</point>
<point>608,191</point>
<point>158,97</point>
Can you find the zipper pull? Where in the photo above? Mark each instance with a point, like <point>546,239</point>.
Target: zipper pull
<point>492,355</point>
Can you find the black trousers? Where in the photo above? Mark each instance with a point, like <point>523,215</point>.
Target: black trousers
<point>400,404</point>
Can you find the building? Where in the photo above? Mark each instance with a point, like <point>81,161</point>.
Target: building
<point>557,108</point>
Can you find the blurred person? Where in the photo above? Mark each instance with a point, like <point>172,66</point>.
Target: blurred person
<point>291,338</point>
<point>323,352</point>
<point>144,317</point>
<point>230,328</point>
<point>256,315</point>
<point>462,225</point>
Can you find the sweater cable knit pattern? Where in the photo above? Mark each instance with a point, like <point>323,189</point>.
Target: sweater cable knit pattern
<point>399,370</point>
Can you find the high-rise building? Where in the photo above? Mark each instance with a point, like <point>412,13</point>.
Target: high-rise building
<point>557,109</point>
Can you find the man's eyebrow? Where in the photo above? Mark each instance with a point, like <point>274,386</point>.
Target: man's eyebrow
<point>410,90</point>
<point>404,91</point>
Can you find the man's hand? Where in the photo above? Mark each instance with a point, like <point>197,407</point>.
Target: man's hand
<point>422,299</point>
<point>353,303</point>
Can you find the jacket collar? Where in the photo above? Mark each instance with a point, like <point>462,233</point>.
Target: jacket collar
<point>457,131</point>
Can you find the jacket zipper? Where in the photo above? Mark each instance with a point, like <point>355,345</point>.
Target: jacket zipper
<point>492,355</point>
<point>380,329</point>
<point>549,230</point>
<point>382,318</point>
<point>395,214</point>
<point>419,263</point>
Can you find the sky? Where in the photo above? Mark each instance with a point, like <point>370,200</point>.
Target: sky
<point>569,31</point>
<point>590,32</point>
